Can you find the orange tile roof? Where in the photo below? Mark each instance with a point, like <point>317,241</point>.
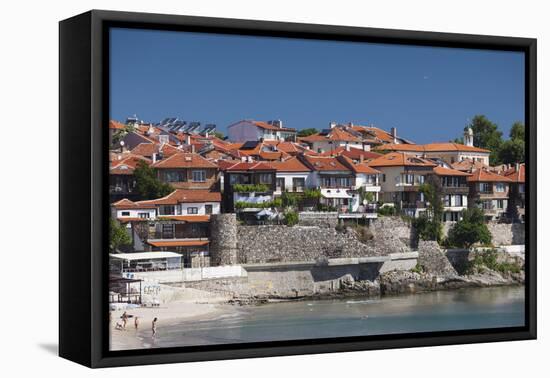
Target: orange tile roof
<point>358,167</point>
<point>469,165</point>
<point>184,160</point>
<point>430,147</point>
<point>483,175</point>
<point>335,134</point>
<point>290,165</point>
<point>127,204</point>
<point>353,153</point>
<point>148,149</point>
<point>397,159</point>
<point>115,125</point>
<point>184,196</point>
<point>325,163</point>
<point>442,171</point>
<point>267,126</point>
<point>127,165</point>
<point>248,166</point>
<point>178,243</point>
<point>516,175</point>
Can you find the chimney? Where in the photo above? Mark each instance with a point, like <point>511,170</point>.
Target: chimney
<point>188,139</point>
<point>517,167</point>
<point>366,147</point>
<point>332,125</point>
<point>249,159</point>
<point>243,159</point>
<point>154,157</point>
<point>193,148</point>
<point>347,147</point>
<point>277,123</point>
<point>361,158</point>
<point>393,132</point>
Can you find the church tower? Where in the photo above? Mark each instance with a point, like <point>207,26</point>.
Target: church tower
<point>468,136</point>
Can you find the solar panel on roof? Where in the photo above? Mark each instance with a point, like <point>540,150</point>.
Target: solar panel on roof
<point>250,145</point>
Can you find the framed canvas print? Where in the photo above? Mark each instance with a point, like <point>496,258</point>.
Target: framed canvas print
<point>235,188</point>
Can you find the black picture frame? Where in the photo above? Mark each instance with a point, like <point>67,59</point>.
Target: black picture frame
<point>83,197</point>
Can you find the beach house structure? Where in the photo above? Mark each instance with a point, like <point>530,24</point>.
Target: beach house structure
<point>250,130</point>
<point>489,191</point>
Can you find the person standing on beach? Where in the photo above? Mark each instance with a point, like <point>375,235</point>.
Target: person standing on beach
<point>154,326</point>
<point>136,322</point>
<point>124,319</point>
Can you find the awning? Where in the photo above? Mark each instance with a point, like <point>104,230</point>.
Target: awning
<point>144,255</point>
<point>335,193</point>
<point>187,218</point>
<point>131,219</point>
<point>178,243</point>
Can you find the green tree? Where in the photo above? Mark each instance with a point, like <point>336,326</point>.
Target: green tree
<point>307,132</point>
<point>471,229</point>
<point>118,236</point>
<point>147,183</point>
<point>428,225</point>
<point>517,131</point>
<point>487,135</point>
<point>512,151</point>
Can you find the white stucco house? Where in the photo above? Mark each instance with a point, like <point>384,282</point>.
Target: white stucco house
<point>250,130</point>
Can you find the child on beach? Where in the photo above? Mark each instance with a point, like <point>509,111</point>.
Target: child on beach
<point>154,327</point>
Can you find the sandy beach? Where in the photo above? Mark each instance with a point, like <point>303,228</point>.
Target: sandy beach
<point>177,304</point>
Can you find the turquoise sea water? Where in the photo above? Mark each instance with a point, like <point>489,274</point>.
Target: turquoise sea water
<point>436,311</point>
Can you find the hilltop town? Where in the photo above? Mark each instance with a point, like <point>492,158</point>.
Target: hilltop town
<point>183,197</point>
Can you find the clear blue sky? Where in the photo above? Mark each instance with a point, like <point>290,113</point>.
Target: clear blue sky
<point>427,93</point>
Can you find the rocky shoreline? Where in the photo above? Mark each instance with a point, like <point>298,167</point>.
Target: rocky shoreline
<point>399,283</point>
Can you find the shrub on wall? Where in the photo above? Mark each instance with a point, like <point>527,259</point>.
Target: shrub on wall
<point>291,218</point>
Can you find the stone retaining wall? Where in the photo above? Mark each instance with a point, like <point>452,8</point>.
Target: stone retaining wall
<point>501,233</point>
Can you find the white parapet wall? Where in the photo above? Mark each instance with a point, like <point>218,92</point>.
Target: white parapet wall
<point>190,274</point>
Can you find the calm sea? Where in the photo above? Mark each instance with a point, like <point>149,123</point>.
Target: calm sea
<point>436,311</point>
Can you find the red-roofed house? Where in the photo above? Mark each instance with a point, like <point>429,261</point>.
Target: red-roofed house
<point>187,171</point>
<point>489,191</point>
<point>292,175</point>
<point>177,222</point>
<point>249,130</point>
<point>122,183</point>
<point>242,181</point>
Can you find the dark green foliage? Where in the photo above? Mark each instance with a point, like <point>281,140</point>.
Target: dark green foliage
<point>289,199</point>
<point>470,230</point>
<point>386,211</point>
<point>276,203</point>
<point>326,208</point>
<point>513,150</point>
<point>427,229</point>
<point>487,135</point>
<point>307,132</point>
<point>147,183</point>
<point>428,225</point>
<point>291,218</point>
<point>249,188</point>
<point>312,193</point>
<point>489,259</point>
<point>118,236</point>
